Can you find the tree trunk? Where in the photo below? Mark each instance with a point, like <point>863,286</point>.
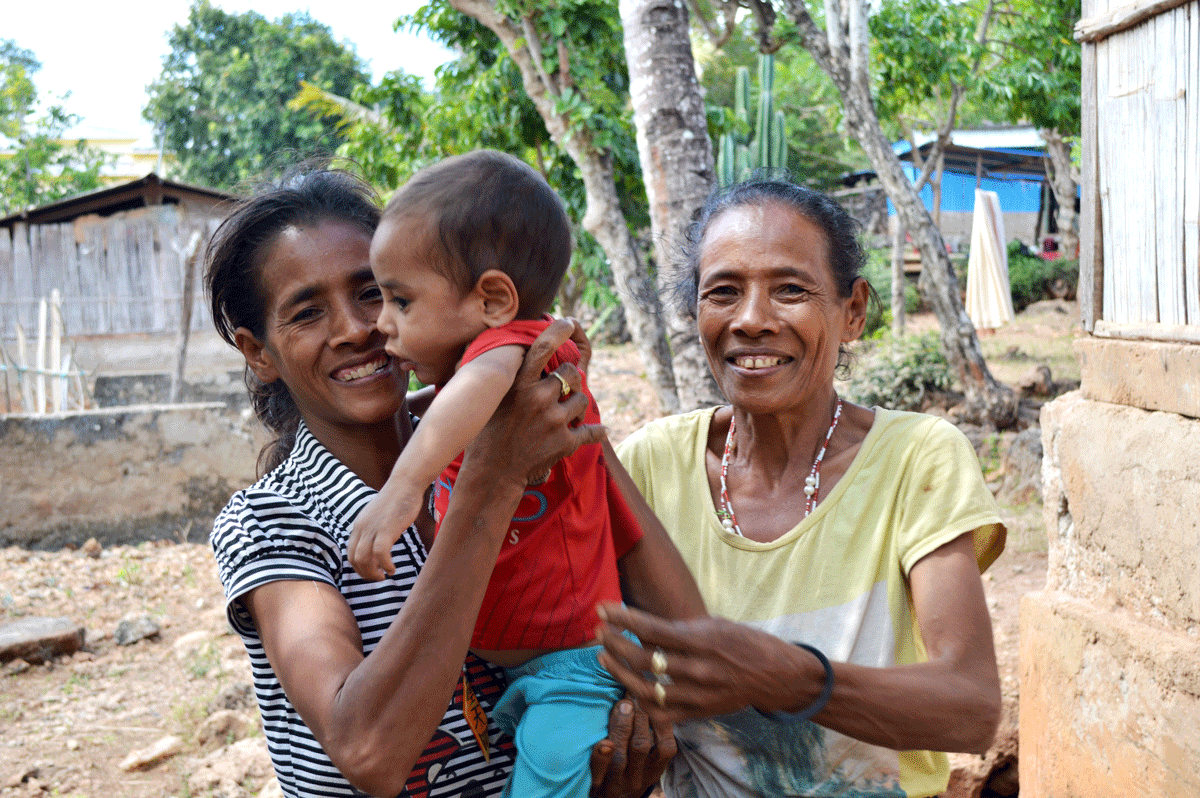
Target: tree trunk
<point>677,163</point>
<point>899,282</point>
<point>1065,185</point>
<point>841,53</point>
<point>603,218</point>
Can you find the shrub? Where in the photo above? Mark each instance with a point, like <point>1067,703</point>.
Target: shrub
<point>899,374</point>
<point>1030,278</point>
<point>878,272</point>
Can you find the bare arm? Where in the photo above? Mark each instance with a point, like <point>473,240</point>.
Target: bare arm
<point>653,575</point>
<point>453,419</point>
<point>457,414</point>
<point>950,703</point>
<point>374,715</point>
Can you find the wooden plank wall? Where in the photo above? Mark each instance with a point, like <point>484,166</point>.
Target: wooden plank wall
<point>117,274</point>
<point>1146,86</point>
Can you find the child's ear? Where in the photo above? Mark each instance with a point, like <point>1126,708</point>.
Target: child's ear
<point>498,293</point>
<point>258,357</point>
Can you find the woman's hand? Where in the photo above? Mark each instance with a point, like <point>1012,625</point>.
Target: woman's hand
<point>582,344</point>
<point>629,762</point>
<point>949,703</point>
<point>532,429</point>
<point>713,666</point>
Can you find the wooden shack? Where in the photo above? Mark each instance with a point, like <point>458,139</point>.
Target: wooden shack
<point>116,255</point>
<point>1110,650</point>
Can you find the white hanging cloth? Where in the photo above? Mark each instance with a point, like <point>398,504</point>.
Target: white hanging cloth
<point>989,296</point>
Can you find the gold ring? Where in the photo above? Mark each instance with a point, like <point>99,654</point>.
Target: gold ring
<point>566,389</point>
<point>658,662</point>
<point>660,694</point>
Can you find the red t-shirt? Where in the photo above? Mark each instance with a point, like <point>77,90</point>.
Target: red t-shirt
<point>559,558</point>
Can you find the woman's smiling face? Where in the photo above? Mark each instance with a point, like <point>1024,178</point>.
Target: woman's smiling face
<point>768,309</point>
<point>321,304</point>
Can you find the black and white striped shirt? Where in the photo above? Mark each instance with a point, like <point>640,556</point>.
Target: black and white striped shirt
<point>293,524</point>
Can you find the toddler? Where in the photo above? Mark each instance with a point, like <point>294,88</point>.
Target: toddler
<point>469,255</point>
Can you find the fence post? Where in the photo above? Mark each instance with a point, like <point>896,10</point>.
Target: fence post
<point>185,314</point>
<point>40,357</point>
<point>58,384</point>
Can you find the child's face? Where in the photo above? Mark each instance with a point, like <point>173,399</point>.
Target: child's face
<point>427,319</point>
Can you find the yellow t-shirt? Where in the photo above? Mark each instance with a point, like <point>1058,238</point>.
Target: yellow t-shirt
<point>836,581</point>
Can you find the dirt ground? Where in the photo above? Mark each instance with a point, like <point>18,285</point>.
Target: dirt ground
<point>66,726</point>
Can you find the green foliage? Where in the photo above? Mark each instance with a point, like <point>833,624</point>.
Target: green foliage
<point>878,272</point>
<point>17,91</point>
<point>40,168</point>
<point>396,127</point>
<point>219,103</point>
<point>920,49</point>
<point>1030,278</point>
<point>898,374</point>
<point>1038,73</point>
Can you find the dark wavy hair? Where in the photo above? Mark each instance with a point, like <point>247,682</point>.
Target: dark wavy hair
<point>491,210</point>
<point>846,255</point>
<point>306,197</point>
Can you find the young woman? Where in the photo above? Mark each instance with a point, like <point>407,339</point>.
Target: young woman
<point>367,687</point>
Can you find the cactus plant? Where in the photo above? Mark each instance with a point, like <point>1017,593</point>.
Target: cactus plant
<point>765,147</point>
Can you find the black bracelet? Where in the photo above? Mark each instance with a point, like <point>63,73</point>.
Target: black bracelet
<point>821,700</point>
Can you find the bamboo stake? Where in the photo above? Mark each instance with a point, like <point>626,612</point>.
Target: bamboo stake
<point>23,374</point>
<point>59,383</point>
<point>5,365</point>
<point>40,357</point>
<point>64,381</point>
<point>185,314</point>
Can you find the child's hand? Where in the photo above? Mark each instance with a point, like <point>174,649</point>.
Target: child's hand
<point>376,530</point>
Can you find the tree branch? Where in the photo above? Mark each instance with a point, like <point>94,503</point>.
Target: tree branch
<point>533,45</point>
<point>718,38</point>
<point>812,38</point>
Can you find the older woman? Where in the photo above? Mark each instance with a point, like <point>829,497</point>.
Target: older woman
<point>368,686</point>
<point>844,542</point>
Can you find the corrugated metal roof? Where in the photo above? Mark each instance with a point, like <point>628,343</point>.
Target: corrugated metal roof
<point>1016,152</point>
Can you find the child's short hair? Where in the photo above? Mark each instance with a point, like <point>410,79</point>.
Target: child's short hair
<point>492,211</point>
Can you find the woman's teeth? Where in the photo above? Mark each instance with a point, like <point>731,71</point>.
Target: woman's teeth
<point>362,371</point>
<point>757,362</point>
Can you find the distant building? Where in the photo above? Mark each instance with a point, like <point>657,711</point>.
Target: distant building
<point>132,154</point>
<point>1007,160</point>
<point>116,255</point>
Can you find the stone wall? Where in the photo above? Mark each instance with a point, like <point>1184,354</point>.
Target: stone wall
<point>123,474</point>
<point>1110,651</point>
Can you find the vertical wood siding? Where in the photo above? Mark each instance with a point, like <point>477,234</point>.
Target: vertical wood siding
<point>117,274</point>
<point>1146,86</point>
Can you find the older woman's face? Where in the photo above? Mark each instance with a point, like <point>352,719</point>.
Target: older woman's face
<point>321,340</point>
<point>768,309</point>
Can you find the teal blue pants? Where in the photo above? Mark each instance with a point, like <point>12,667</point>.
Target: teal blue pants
<point>556,708</point>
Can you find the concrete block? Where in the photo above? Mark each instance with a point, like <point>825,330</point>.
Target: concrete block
<point>1151,375</point>
<point>38,639</point>
<point>1110,705</point>
<point>1121,490</point>
<point>121,475</point>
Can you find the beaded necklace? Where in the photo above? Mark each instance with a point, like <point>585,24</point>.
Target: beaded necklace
<point>812,483</point>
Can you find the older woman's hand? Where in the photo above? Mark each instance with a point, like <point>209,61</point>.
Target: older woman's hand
<point>535,426</point>
<point>713,666</point>
<point>629,761</point>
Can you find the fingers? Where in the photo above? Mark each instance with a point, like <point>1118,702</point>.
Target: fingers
<point>579,337</point>
<point>650,629</point>
<point>609,757</point>
<point>641,742</point>
<point>543,347</point>
<point>362,552</point>
<point>663,733</point>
